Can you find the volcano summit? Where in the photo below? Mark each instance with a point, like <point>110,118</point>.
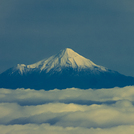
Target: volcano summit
<point>64,70</point>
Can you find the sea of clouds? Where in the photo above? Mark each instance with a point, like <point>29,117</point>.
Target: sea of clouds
<point>67,111</point>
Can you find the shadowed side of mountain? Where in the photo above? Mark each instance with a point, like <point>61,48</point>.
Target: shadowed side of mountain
<point>67,78</point>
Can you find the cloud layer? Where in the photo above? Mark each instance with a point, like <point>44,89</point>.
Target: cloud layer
<point>65,111</point>
<point>71,95</point>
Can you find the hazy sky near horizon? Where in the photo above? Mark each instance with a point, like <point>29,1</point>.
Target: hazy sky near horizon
<point>101,31</point>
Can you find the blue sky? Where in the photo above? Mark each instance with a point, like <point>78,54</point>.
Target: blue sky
<point>99,30</point>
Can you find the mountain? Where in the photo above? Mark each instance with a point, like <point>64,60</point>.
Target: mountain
<point>64,70</point>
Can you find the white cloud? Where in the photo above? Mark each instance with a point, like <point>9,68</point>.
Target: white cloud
<point>69,115</point>
<point>72,95</point>
<point>47,129</point>
<point>64,111</point>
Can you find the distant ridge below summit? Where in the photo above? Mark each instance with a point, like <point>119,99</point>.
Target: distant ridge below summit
<point>64,70</point>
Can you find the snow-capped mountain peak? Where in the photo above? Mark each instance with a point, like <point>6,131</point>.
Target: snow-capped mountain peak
<point>65,58</point>
<point>66,69</point>
<point>69,58</point>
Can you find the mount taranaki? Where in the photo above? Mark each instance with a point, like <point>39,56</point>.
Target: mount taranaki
<point>64,70</point>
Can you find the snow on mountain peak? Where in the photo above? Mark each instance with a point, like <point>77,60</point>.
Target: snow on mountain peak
<point>65,58</point>
<point>68,52</point>
<point>69,58</point>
